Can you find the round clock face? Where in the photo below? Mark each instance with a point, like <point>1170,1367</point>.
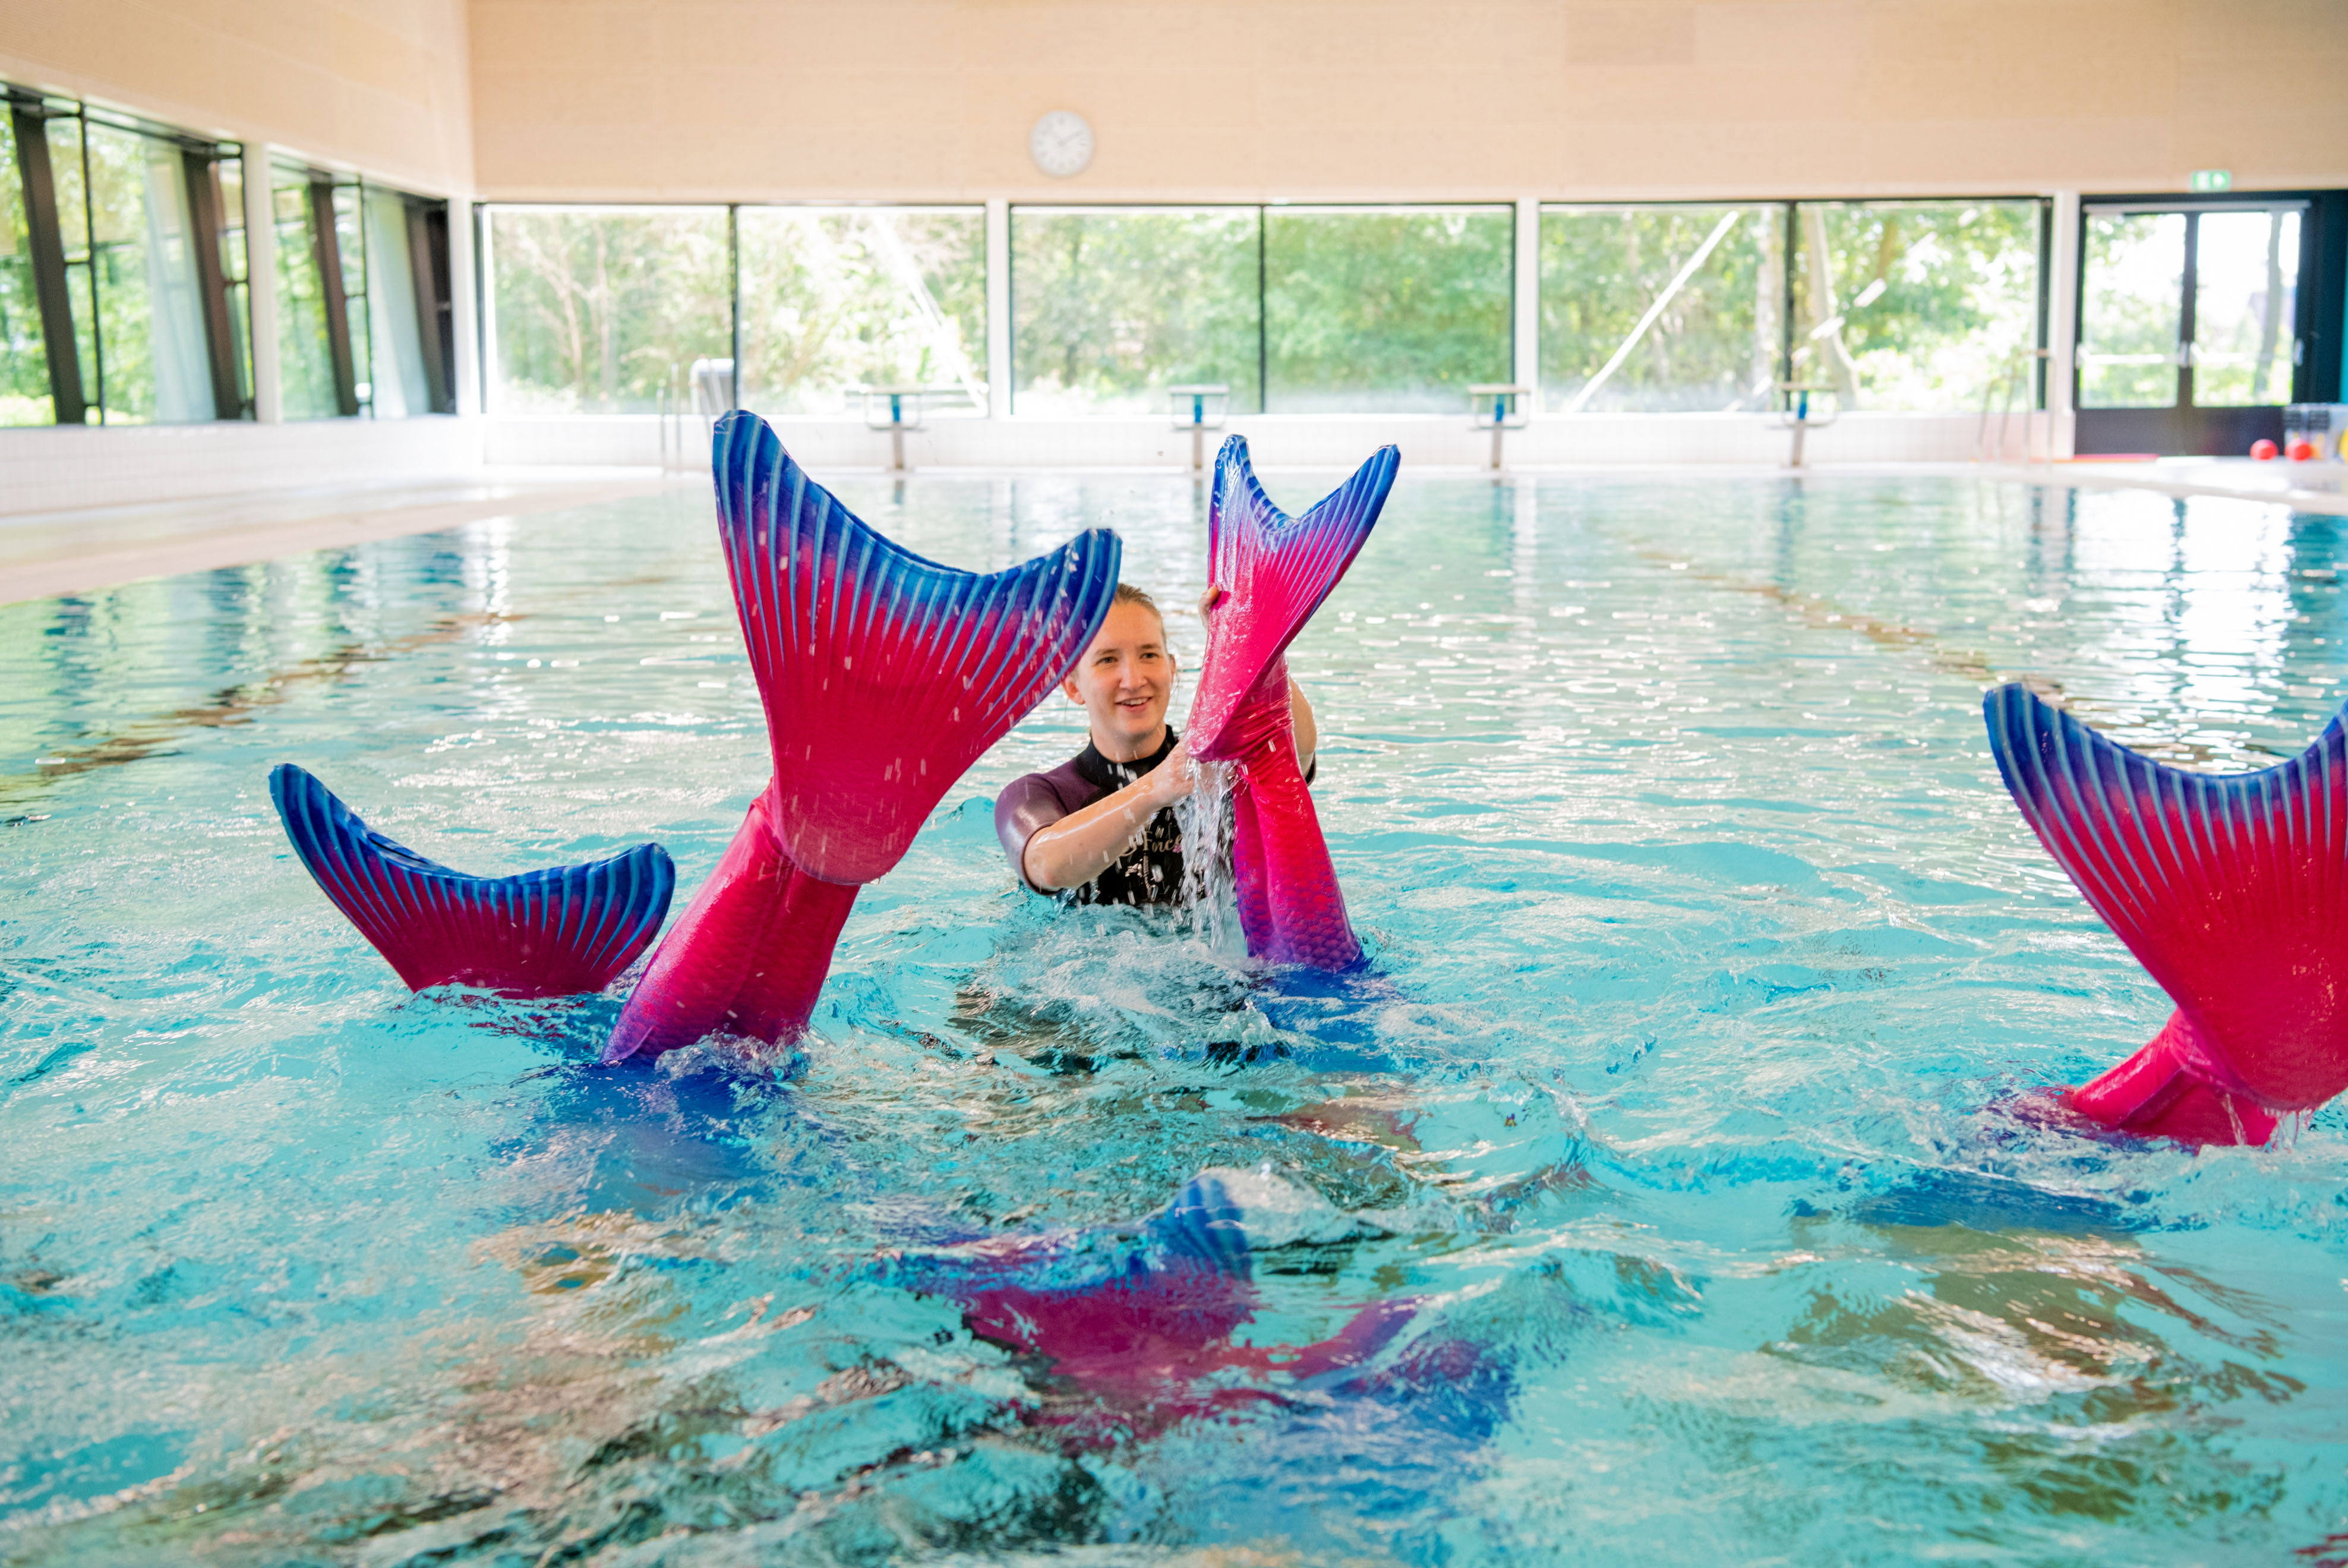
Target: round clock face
<point>1061,144</point>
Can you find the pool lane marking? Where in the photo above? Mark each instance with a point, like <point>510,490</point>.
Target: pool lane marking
<point>1825,615</point>
<point>234,705</point>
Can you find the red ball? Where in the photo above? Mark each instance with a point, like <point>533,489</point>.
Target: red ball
<point>2263,450</point>
<point>2302,451</point>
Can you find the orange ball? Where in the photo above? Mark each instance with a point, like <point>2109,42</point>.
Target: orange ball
<point>2263,450</point>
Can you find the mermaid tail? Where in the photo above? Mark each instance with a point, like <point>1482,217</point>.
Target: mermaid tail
<point>1276,570</point>
<point>538,934</point>
<point>1152,1338</point>
<point>2232,890</point>
<point>884,676</point>
<point>748,957</point>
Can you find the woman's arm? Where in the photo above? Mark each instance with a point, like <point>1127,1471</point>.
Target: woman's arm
<point>1308,733</point>
<point>1081,845</point>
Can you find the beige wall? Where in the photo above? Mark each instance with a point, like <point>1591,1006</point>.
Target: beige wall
<point>1206,99</point>
<point>379,86</point>
<point>915,99</point>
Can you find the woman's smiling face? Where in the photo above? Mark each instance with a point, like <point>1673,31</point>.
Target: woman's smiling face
<point>1125,682</point>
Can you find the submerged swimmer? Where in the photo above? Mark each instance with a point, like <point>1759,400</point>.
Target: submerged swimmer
<point>1101,828</point>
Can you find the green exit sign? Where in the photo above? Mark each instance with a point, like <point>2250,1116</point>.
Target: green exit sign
<point>2213,179</point>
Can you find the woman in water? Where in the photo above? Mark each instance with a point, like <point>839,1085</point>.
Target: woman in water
<point>1100,828</point>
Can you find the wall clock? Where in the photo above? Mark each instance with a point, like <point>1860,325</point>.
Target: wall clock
<point>1061,144</point>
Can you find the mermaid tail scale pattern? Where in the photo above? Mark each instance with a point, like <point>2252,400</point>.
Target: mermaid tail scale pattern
<point>537,934</point>
<point>884,676</point>
<point>2231,890</point>
<point>1276,571</point>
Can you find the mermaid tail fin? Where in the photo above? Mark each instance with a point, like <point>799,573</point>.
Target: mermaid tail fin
<point>1203,1228</point>
<point>1275,569</point>
<point>885,675</point>
<point>540,933</point>
<point>2232,891</point>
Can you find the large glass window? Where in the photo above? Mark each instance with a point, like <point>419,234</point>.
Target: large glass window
<point>1661,309</point>
<point>1916,305</point>
<point>2245,312</point>
<point>362,298</point>
<point>834,301</point>
<point>2132,312</point>
<point>599,310</point>
<point>1385,308</point>
<point>1111,306</point>
<point>24,394</point>
<point>150,305</point>
<point>116,271</point>
<point>402,382</point>
<point>309,297</point>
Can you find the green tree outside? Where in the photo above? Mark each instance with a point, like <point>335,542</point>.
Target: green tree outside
<point>1109,308</point>
<point>1385,309</point>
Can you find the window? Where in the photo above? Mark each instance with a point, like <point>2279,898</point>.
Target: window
<point>121,271</point>
<point>1111,306</point>
<point>1296,310</point>
<point>833,301</point>
<point>410,331</point>
<point>363,315</point>
<point>1385,308</point>
<point>1661,309</point>
<point>316,376</point>
<point>24,393</point>
<point>1915,306</point>
<point>601,310</point>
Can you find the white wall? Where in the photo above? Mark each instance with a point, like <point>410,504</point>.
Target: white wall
<point>56,469</point>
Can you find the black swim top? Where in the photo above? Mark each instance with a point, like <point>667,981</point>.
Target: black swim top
<point>1149,872</point>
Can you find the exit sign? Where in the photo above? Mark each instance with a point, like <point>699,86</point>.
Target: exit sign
<point>2213,179</point>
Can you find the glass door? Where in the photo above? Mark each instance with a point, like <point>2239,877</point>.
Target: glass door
<point>2189,329</point>
<point>2245,278</point>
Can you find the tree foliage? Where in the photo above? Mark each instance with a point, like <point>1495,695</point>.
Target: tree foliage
<point>1368,310</point>
<point>1958,300</point>
<point>834,300</point>
<point>1714,346</point>
<point>1108,309</point>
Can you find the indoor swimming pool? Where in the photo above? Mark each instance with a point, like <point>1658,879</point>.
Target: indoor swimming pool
<point>1708,958</point>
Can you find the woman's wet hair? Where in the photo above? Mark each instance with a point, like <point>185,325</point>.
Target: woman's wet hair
<point>1126,593</point>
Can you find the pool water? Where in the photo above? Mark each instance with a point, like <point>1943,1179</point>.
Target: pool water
<point>1709,959</point>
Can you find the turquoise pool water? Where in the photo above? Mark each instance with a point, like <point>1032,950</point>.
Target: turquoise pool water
<point>1708,947</point>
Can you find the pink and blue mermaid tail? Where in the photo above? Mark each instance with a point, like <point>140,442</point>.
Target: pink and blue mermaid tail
<point>884,676</point>
<point>1275,570</point>
<point>1135,1335</point>
<point>2231,890</point>
<point>540,933</point>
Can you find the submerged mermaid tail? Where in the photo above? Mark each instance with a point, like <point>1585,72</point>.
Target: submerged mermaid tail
<point>1276,570</point>
<point>1152,1337</point>
<point>2231,890</point>
<point>540,933</point>
<point>884,676</point>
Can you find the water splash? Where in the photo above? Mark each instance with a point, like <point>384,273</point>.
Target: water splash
<point>1208,886</point>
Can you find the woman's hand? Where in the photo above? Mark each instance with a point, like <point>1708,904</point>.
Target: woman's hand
<point>1170,780</point>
